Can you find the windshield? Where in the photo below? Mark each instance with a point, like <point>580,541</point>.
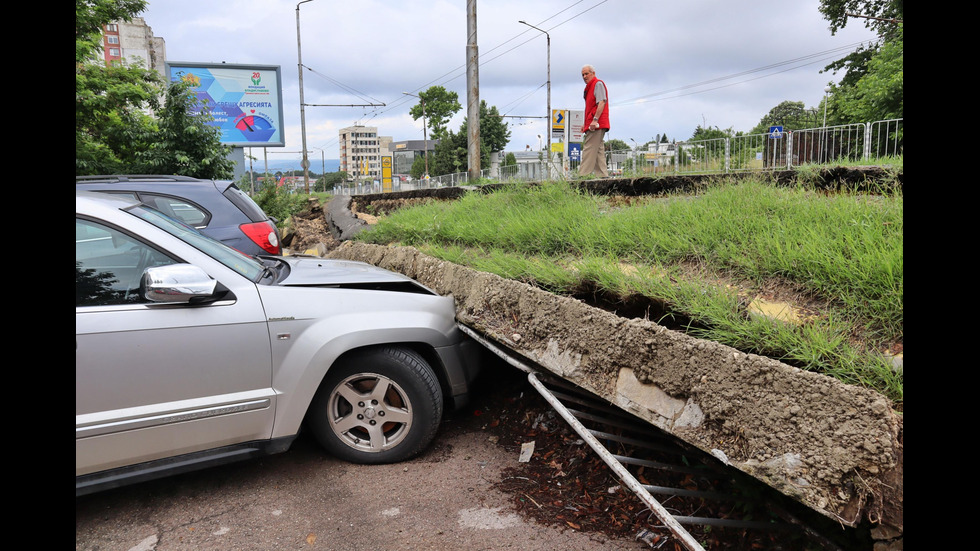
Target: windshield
<point>241,263</point>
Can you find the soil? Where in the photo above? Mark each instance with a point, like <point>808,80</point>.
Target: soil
<point>744,406</point>
<point>566,484</point>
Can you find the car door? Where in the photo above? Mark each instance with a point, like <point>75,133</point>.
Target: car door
<point>158,380</point>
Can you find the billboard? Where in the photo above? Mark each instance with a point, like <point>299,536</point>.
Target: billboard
<point>245,100</point>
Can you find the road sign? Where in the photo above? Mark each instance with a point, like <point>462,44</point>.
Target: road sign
<point>775,132</point>
<point>558,119</point>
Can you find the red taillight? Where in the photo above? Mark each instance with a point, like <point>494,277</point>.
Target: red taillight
<point>264,235</point>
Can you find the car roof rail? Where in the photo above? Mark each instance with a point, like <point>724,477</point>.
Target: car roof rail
<point>135,178</point>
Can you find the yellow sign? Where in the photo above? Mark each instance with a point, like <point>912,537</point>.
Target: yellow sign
<point>558,119</point>
<point>386,175</point>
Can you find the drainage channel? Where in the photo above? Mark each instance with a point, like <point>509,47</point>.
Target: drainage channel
<point>690,481</point>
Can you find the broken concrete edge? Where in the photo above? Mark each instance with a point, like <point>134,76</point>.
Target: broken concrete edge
<point>833,447</point>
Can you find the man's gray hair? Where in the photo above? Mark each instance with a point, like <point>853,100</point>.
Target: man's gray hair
<point>590,67</point>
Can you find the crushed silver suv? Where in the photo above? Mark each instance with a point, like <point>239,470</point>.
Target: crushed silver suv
<point>190,354</point>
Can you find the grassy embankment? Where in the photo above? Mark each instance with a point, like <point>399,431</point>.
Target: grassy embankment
<point>703,255</point>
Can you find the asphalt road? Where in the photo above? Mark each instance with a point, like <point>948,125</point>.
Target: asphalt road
<point>305,499</point>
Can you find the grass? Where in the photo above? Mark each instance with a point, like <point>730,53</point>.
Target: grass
<point>702,255</point>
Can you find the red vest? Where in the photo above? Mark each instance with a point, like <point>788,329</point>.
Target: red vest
<point>591,106</point>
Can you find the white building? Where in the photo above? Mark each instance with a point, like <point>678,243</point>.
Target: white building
<point>361,150</point>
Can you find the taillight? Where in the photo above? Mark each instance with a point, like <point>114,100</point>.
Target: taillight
<point>264,235</point>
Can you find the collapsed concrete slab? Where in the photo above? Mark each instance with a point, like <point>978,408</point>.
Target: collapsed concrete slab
<point>835,448</point>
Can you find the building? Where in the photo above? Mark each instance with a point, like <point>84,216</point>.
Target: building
<point>361,150</point>
<point>404,154</point>
<point>133,42</point>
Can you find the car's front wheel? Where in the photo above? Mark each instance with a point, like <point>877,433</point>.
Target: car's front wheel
<point>381,405</point>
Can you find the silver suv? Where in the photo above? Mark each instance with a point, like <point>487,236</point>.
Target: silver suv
<point>189,353</point>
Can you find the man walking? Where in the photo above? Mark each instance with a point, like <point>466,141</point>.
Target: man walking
<point>596,124</point>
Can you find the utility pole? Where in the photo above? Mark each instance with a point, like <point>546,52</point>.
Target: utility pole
<point>302,105</point>
<point>472,91</point>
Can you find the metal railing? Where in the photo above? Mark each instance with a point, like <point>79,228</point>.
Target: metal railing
<point>749,152</point>
<point>851,142</point>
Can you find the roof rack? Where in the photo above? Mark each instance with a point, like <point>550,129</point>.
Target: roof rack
<point>134,178</point>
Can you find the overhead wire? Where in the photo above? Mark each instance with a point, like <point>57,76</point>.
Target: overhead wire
<point>686,90</point>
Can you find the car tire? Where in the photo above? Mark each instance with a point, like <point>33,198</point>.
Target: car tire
<point>380,405</point>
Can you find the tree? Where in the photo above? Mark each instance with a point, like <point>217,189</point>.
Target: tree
<point>440,106</point>
<point>880,16</point>
<point>878,94</point>
<point>451,152</point>
<point>329,180</point>
<point>616,145</point>
<point>510,159</point>
<point>185,143</point>
<point>791,115</point>
<point>111,103</point>
<point>91,15</point>
<point>710,133</point>
<point>116,129</point>
<point>884,17</point>
<point>418,167</point>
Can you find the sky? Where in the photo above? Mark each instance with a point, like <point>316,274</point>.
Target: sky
<point>669,66</point>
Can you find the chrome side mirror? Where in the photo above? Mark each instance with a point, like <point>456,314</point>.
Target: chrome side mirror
<point>177,283</point>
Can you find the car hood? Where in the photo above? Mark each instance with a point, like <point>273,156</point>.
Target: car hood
<point>315,271</point>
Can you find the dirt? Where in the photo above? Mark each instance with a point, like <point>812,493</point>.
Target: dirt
<point>837,449</point>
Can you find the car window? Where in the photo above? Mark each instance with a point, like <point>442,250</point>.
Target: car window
<point>244,203</point>
<point>109,264</point>
<point>236,260</point>
<point>182,210</point>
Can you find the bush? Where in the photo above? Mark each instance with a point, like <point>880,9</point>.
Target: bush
<point>278,202</point>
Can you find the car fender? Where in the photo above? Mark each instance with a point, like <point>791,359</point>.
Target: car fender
<point>309,335</point>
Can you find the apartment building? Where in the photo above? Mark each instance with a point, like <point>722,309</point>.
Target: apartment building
<point>361,150</point>
<point>132,41</point>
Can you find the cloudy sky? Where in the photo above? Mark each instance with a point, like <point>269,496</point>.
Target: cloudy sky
<point>669,66</point>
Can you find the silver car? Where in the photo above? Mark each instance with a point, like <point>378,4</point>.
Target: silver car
<point>190,354</point>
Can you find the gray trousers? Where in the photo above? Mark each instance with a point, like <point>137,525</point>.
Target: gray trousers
<point>593,155</point>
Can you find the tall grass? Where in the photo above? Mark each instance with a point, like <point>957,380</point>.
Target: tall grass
<point>843,249</point>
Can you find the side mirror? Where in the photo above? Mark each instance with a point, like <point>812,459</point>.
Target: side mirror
<point>178,283</point>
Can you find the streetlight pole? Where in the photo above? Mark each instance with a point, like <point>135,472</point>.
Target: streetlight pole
<point>636,159</point>
<point>425,134</point>
<point>302,104</point>
<point>548,117</point>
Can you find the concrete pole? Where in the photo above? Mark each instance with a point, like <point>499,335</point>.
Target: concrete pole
<point>472,91</point>
<point>302,103</point>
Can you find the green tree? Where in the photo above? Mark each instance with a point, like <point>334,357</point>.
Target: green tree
<point>418,167</point>
<point>616,145</point>
<point>791,115</point>
<point>116,129</point>
<point>330,179</point>
<point>111,103</point>
<point>884,17</point>
<point>440,106</point>
<point>710,133</point>
<point>90,15</point>
<point>185,143</point>
<point>451,152</point>
<point>879,93</point>
<point>449,155</point>
<point>510,159</point>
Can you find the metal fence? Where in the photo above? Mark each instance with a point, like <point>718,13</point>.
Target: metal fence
<point>851,143</point>
<point>772,151</point>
